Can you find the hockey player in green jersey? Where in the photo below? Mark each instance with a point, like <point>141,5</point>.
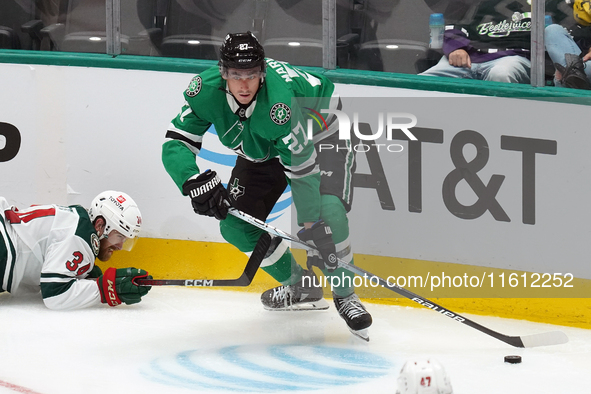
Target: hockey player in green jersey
<point>52,249</point>
<point>248,99</point>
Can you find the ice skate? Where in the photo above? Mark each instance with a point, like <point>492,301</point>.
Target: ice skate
<point>354,314</point>
<point>301,296</point>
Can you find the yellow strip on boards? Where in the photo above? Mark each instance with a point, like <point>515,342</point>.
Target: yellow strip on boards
<point>504,293</point>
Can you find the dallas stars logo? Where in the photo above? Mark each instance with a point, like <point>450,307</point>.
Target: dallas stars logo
<point>280,114</point>
<point>194,87</point>
<point>236,190</point>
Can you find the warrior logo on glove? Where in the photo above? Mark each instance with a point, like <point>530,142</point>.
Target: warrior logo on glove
<point>209,185</point>
<point>208,196</point>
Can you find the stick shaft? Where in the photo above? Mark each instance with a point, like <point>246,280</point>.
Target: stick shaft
<point>542,339</point>
<point>244,280</point>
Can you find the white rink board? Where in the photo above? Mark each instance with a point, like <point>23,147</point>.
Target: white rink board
<point>85,130</point>
<point>525,206</point>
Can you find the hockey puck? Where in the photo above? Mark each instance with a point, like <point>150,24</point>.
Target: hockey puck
<point>513,359</point>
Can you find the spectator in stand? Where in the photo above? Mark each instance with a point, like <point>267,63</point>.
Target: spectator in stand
<point>493,46</point>
<point>570,49</point>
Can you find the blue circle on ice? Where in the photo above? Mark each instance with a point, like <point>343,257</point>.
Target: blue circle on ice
<point>268,368</point>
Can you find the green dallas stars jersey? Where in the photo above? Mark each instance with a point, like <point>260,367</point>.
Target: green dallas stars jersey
<point>51,248</point>
<point>272,126</point>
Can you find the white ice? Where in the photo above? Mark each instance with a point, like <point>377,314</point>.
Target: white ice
<point>182,340</point>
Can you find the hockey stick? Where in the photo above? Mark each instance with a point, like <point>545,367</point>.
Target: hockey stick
<point>533,340</point>
<point>244,280</point>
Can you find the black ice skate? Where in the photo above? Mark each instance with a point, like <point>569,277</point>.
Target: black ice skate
<point>354,314</point>
<point>301,296</point>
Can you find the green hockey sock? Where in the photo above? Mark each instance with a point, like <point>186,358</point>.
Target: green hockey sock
<point>285,270</point>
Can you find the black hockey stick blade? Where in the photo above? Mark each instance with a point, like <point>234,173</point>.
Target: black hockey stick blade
<point>533,340</point>
<point>245,279</point>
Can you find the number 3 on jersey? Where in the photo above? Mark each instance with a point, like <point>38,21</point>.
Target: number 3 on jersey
<point>73,264</point>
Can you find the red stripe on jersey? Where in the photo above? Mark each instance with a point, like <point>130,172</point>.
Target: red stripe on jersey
<point>17,217</point>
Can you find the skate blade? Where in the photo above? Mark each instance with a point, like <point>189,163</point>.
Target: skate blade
<point>319,305</point>
<point>361,334</point>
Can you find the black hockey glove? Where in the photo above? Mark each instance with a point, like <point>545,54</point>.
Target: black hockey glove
<point>321,235</point>
<point>208,195</point>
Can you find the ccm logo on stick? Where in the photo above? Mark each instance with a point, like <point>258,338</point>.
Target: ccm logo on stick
<point>198,282</point>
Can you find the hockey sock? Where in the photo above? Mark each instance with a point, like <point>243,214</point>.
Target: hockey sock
<point>280,263</point>
<point>286,271</point>
<point>334,214</point>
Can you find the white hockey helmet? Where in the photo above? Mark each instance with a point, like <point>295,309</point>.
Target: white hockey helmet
<point>120,213</point>
<point>425,376</point>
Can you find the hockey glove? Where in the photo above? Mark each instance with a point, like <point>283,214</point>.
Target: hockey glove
<point>208,195</point>
<point>321,235</point>
<point>117,286</point>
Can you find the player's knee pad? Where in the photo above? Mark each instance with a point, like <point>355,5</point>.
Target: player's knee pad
<point>239,233</point>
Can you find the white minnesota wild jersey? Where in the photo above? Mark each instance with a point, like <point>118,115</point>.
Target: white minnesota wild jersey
<point>51,248</point>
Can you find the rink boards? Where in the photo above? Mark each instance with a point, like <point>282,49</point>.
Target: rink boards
<point>488,208</point>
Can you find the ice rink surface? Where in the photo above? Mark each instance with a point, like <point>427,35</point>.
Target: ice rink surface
<point>182,340</point>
